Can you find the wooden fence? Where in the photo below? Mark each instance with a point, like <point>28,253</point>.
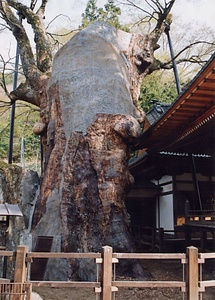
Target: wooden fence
<point>191,285</point>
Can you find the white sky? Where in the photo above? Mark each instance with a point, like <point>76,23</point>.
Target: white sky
<point>185,11</point>
<point>195,10</point>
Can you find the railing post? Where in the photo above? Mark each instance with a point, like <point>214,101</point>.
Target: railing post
<point>20,271</point>
<point>192,274</point>
<point>106,293</point>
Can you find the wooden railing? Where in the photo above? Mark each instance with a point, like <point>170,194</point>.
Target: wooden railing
<point>15,291</point>
<point>191,286</point>
<point>159,239</point>
<point>198,215</point>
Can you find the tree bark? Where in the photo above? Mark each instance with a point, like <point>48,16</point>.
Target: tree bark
<point>92,120</point>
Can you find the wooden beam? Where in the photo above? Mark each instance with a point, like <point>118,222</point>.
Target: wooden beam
<point>20,272</point>
<point>149,284</point>
<point>66,284</point>
<point>192,276</point>
<point>149,255</point>
<point>6,253</point>
<point>62,255</point>
<point>107,274</point>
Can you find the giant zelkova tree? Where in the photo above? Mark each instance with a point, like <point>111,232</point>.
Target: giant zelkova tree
<point>89,120</point>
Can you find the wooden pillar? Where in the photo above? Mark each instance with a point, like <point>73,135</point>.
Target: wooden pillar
<point>20,272</point>
<point>186,209</point>
<point>106,293</point>
<point>192,274</point>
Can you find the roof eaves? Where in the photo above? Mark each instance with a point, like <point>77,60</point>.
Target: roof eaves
<point>185,90</point>
<point>10,210</point>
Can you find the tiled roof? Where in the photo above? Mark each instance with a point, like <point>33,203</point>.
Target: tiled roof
<point>10,210</point>
<point>157,112</point>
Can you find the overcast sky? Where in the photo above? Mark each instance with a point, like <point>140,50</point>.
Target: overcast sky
<point>186,11</point>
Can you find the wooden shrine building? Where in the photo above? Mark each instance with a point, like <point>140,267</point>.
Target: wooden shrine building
<point>177,163</point>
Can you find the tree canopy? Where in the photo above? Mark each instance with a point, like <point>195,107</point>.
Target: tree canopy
<point>109,14</point>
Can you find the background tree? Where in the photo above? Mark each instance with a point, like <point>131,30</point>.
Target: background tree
<point>157,86</point>
<point>109,14</point>
<point>91,13</point>
<point>26,116</point>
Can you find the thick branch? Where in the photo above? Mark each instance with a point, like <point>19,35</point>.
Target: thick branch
<point>28,63</point>
<point>163,13</point>
<point>159,13</point>
<point>25,92</point>
<point>43,46</point>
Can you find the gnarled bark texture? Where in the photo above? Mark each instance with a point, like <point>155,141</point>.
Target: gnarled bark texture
<point>92,119</point>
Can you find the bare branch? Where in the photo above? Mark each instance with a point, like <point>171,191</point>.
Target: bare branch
<point>191,45</point>
<point>156,5</point>
<point>190,58</point>
<point>157,12</point>
<point>41,10</point>
<point>131,3</point>
<point>29,106</point>
<point>55,18</point>
<point>33,4</point>
<point>163,13</point>
<point>2,81</point>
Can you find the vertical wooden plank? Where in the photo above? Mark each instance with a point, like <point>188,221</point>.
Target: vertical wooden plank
<point>106,293</point>
<point>20,265</point>
<point>187,208</point>
<point>29,292</point>
<point>20,271</point>
<point>192,273</point>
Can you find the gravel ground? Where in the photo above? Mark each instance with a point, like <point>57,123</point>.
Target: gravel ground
<point>160,270</point>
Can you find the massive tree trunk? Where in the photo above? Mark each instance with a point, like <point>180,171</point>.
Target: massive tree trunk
<point>91,119</point>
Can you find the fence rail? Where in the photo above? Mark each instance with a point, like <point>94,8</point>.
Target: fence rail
<point>192,286</point>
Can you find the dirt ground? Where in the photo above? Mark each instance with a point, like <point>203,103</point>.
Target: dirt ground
<point>160,270</point>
